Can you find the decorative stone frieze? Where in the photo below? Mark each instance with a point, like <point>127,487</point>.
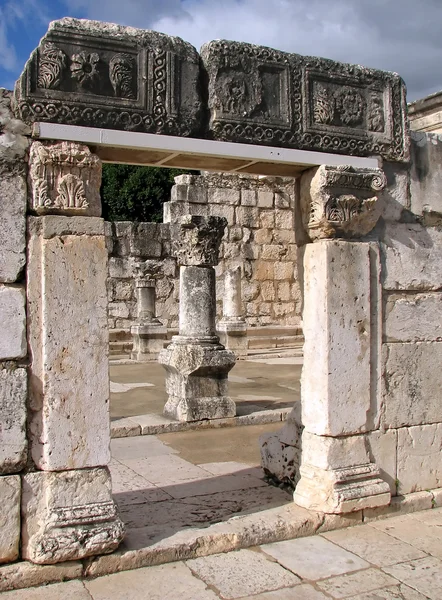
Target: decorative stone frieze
<point>263,96</point>
<point>196,240</point>
<point>65,179</point>
<point>196,363</point>
<point>68,515</point>
<point>340,201</point>
<point>104,75</point>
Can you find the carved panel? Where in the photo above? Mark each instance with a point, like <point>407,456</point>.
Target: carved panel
<point>340,201</point>
<point>196,240</point>
<point>262,96</point>
<point>65,178</point>
<point>102,75</point>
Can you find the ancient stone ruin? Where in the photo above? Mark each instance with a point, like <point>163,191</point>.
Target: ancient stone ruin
<point>365,233</point>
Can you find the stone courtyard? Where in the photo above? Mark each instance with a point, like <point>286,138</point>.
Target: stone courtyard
<point>203,407</point>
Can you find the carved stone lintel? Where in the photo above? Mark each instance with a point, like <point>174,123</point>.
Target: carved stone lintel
<point>196,240</point>
<point>340,201</point>
<point>65,179</point>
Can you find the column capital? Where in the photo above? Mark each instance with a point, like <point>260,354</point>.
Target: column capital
<point>64,179</point>
<point>196,240</point>
<point>340,202</point>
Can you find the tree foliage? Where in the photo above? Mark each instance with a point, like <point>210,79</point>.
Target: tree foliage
<point>132,193</point>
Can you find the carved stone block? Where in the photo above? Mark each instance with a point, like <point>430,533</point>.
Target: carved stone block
<point>64,178</point>
<point>196,240</point>
<point>258,95</point>
<point>68,515</point>
<point>340,201</point>
<point>104,75</point>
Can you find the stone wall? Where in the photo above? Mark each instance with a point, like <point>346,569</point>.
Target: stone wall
<point>13,347</point>
<point>411,254</point>
<point>260,238</point>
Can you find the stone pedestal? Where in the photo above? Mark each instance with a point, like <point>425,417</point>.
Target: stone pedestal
<point>67,507</point>
<point>149,334</point>
<point>196,363</point>
<point>232,328</point>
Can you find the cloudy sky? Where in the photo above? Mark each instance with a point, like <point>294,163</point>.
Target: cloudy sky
<point>395,35</point>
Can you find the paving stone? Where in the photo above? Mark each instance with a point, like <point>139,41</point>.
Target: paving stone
<point>363,581</point>
<point>300,592</point>
<point>165,469</point>
<point>139,447</point>
<point>241,573</point>
<point>215,484</point>
<point>422,536</point>
<point>430,517</point>
<point>224,468</point>
<point>397,592</point>
<point>125,479</point>
<point>69,590</point>
<point>165,582</point>
<point>423,575</point>
<point>374,546</point>
<point>314,557</point>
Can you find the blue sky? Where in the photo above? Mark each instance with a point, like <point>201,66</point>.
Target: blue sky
<point>396,35</point>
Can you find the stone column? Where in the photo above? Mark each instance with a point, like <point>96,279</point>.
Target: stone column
<point>67,506</point>
<point>233,328</point>
<point>149,333</point>
<point>196,363</point>
<point>338,389</point>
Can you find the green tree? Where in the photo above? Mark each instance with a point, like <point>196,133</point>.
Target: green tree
<point>132,193</point>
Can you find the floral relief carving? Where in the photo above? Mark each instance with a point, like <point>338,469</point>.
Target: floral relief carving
<point>376,119</point>
<point>122,75</point>
<point>84,68</point>
<point>324,106</point>
<point>196,240</point>
<point>350,106</point>
<point>340,201</point>
<point>51,66</point>
<point>65,178</point>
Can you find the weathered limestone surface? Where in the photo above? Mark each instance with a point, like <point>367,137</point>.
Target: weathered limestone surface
<point>418,458</point>
<point>232,328</point>
<point>340,201</point>
<point>104,75</point>
<point>13,395</point>
<point>382,450</point>
<point>263,96</point>
<point>10,488</point>
<point>411,257</point>
<point>12,231</point>
<point>196,364</point>
<point>337,328</point>
<point>64,178</point>
<point>68,515</point>
<point>412,379</point>
<point>426,175</point>
<point>413,317</point>
<point>337,475</point>
<point>13,320</point>
<point>68,337</point>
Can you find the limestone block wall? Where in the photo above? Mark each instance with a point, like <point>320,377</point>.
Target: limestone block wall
<point>260,238</point>
<point>410,412</point>
<point>13,347</point>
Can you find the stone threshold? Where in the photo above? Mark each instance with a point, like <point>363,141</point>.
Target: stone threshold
<point>151,424</point>
<point>272,525</point>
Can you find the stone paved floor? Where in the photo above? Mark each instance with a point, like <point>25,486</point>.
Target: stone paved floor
<point>168,483</point>
<point>255,385</point>
<point>393,559</point>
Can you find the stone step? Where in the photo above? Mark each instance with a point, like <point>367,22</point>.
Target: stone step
<point>284,341</point>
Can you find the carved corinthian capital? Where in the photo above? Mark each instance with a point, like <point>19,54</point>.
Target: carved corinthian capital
<point>340,202</point>
<point>196,240</point>
<point>64,178</point>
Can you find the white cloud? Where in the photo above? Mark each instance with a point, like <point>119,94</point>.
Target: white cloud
<point>8,56</point>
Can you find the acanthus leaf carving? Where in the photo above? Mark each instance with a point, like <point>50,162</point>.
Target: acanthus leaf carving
<point>71,193</point>
<point>340,201</point>
<point>51,65</point>
<point>196,240</point>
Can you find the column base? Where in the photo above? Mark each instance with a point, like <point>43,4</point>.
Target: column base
<point>341,490</point>
<point>196,381</point>
<point>233,335</point>
<point>148,341</point>
<point>68,515</point>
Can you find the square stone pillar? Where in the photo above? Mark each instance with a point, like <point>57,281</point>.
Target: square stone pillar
<point>68,420</point>
<point>340,325</point>
<point>196,364</point>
